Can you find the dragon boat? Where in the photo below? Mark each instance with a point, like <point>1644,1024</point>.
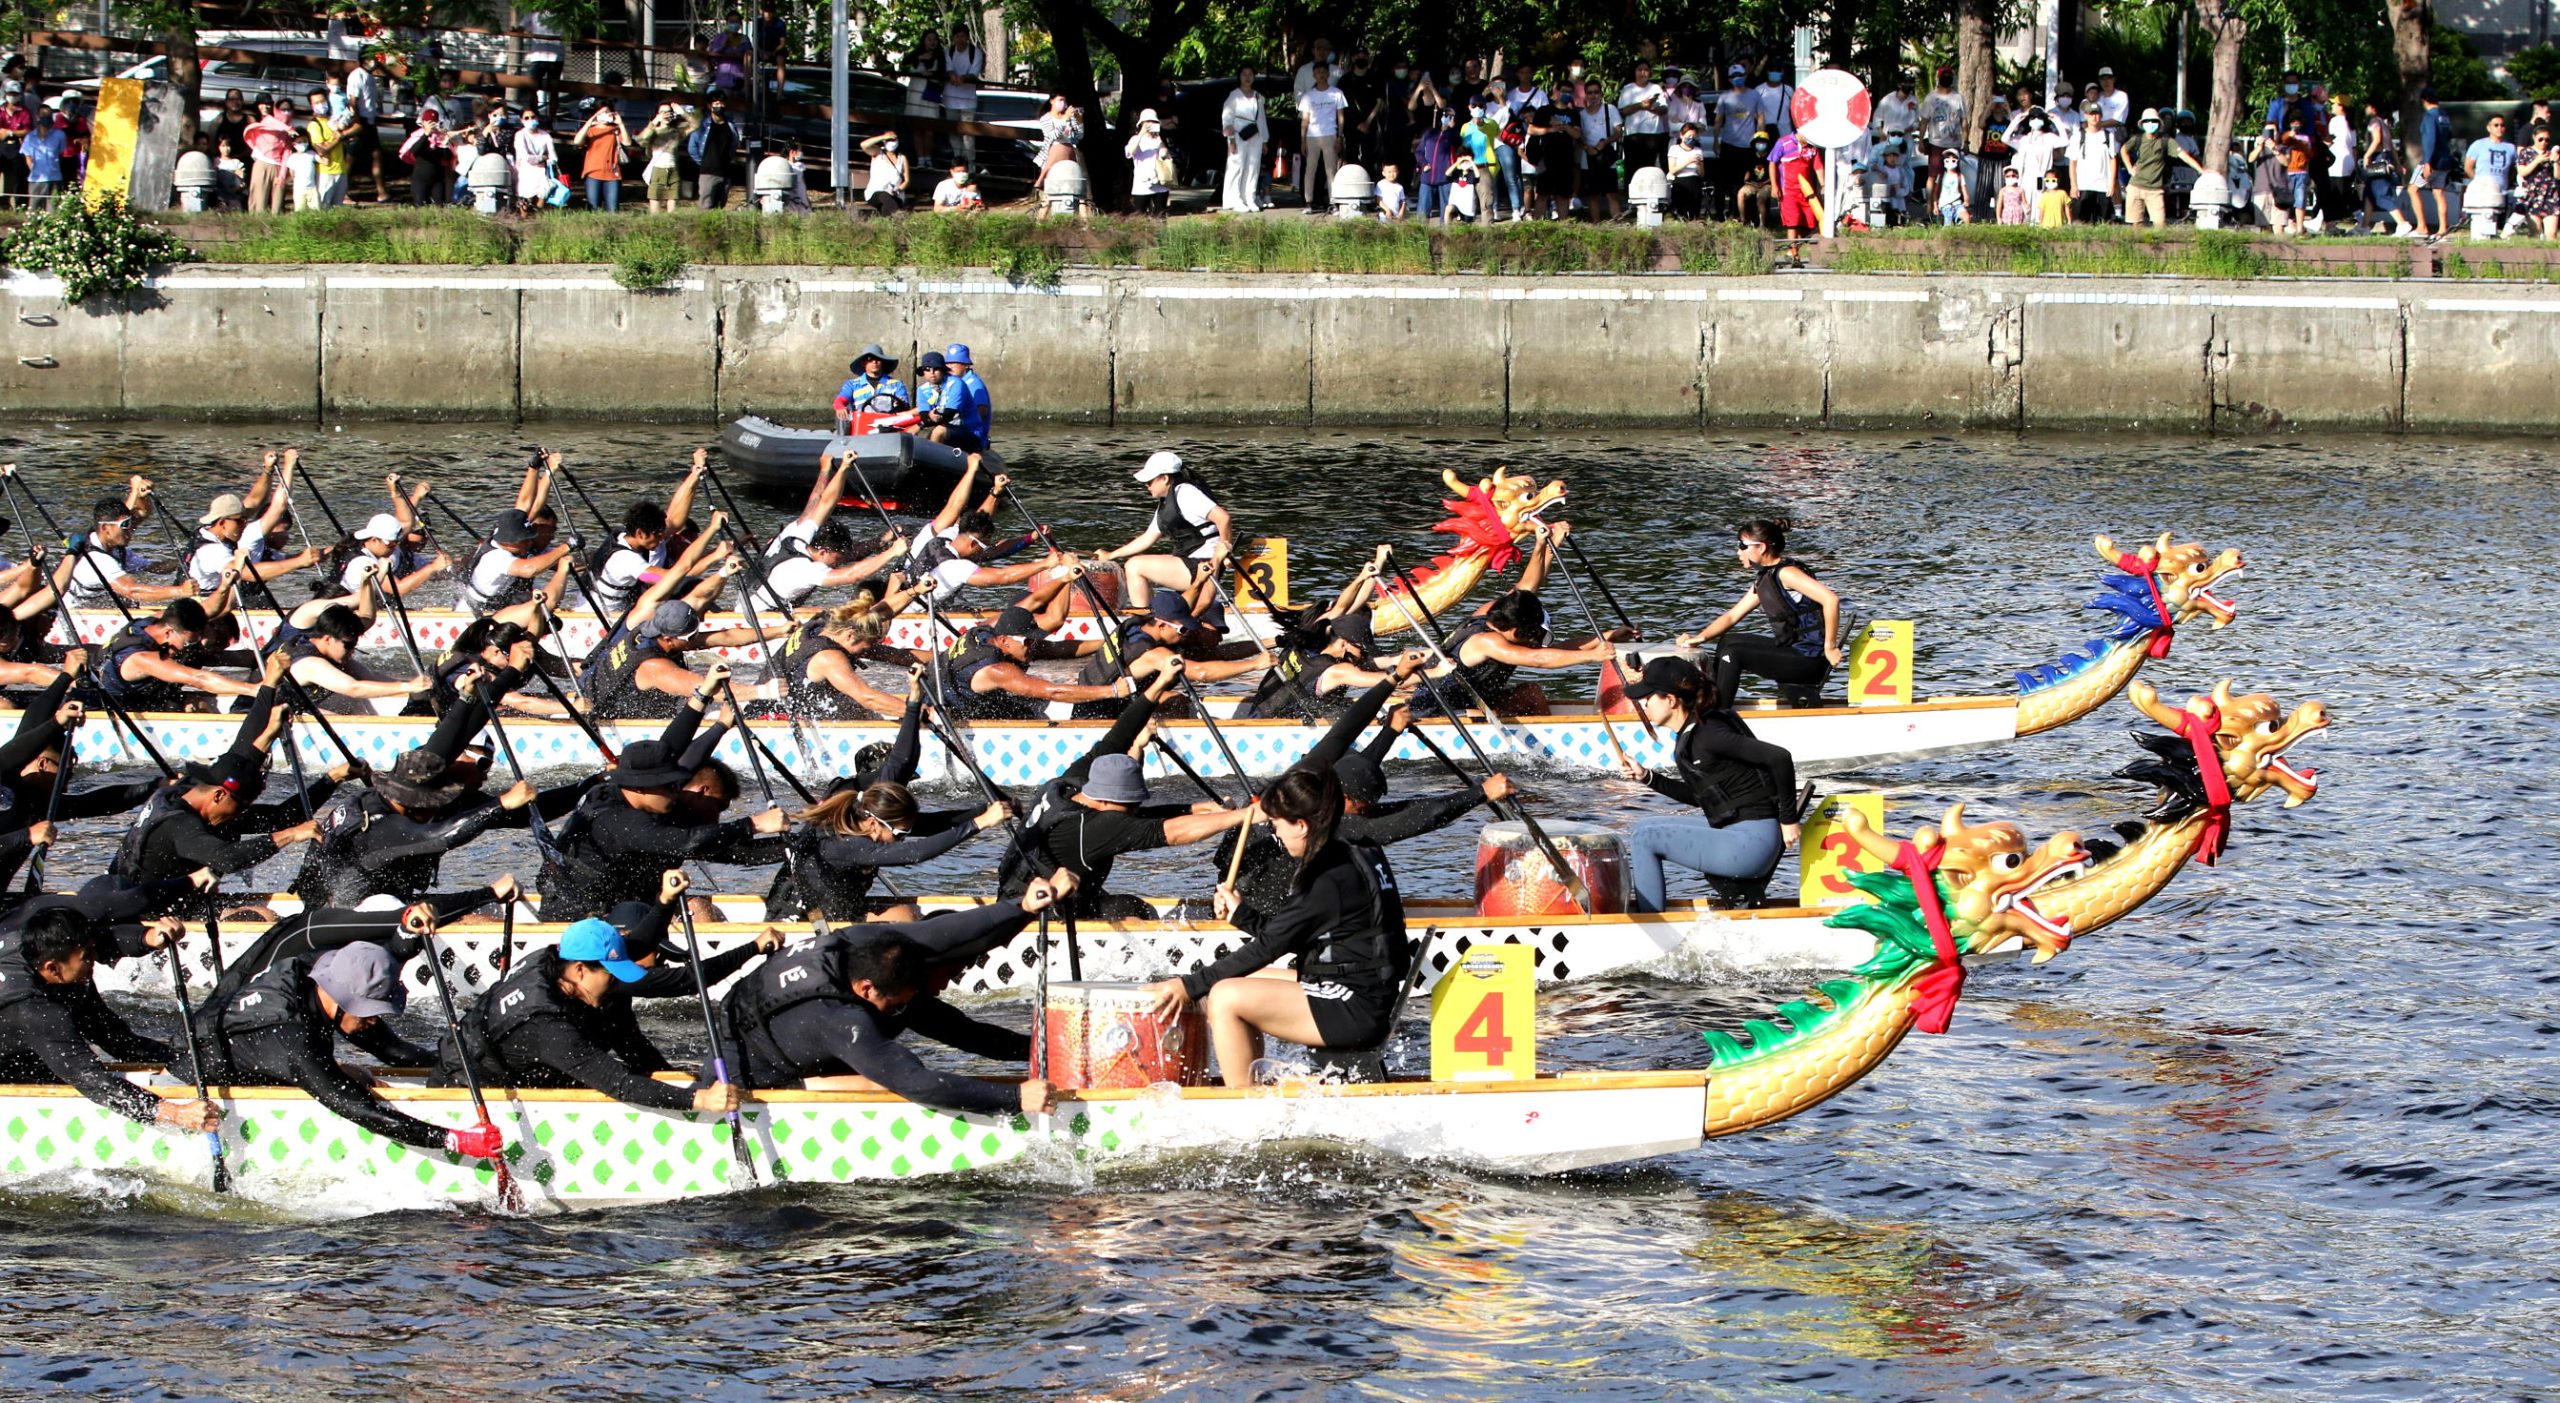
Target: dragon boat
<point>2247,734</point>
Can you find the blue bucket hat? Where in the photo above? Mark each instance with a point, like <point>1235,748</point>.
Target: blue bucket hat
<point>596,942</point>
<point>957,354</point>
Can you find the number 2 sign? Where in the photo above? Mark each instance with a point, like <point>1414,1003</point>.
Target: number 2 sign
<point>1826,854</point>
<point>1484,1016</point>
<point>1880,664</point>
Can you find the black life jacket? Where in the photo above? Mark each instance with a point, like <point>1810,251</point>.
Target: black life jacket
<point>279,998</point>
<point>528,992</point>
<point>798,653</point>
<point>931,554</point>
<point>998,705</point>
<point>616,599</point>
<point>18,981</point>
<point>1794,620</point>
<point>1722,787</point>
<point>1492,677</point>
<point>813,973</point>
<point>1178,533</point>
<point>148,694</point>
<point>1126,642</point>
<point>165,805</point>
<point>613,683</point>
<point>512,589</point>
<point>1369,952</point>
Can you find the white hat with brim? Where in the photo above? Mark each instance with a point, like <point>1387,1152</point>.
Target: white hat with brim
<point>1164,462</point>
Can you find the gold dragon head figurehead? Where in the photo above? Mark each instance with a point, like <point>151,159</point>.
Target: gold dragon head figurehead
<point>1513,499</point>
<point>2251,734</point>
<point>1991,876</point>
<point>2186,573</point>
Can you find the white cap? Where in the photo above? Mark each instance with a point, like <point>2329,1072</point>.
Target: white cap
<point>1146,116</point>
<point>1164,462</point>
<point>383,527</point>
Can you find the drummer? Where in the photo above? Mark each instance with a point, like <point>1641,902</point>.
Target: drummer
<point>1745,787</point>
<point>1188,528</point>
<point>1803,642</point>
<point>1342,920</point>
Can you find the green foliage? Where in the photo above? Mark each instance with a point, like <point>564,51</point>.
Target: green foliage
<point>2536,70</point>
<point>443,237</point>
<point>102,252</point>
<point>2459,73</point>
<point>648,268</point>
<point>2027,250</point>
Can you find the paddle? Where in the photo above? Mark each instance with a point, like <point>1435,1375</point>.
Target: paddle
<point>116,710</point>
<point>533,811</point>
<point>737,518</point>
<point>1594,621</point>
<point>1602,585</point>
<point>1519,812</point>
<point>510,1198</point>
<point>791,700</point>
<point>711,1030</point>
<point>604,524</point>
<point>408,635</point>
<point>764,779</point>
<point>1180,762</point>
<point>321,500</point>
<point>1111,644</point>
<point>1040,1005</point>
<point>195,1058</point>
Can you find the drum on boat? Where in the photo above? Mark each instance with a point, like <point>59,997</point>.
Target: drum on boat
<point>1105,1036</point>
<point>1513,878</point>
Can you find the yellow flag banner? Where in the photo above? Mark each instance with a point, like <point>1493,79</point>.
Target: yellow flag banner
<point>115,133</point>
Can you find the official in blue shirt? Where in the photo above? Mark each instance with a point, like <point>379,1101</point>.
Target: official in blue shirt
<point>944,402</point>
<point>872,389</point>
<point>978,415</point>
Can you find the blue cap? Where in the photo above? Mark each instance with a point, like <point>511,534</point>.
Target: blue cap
<point>957,352</point>
<point>598,943</point>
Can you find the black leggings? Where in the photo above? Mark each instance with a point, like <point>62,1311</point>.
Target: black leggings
<point>1764,657</point>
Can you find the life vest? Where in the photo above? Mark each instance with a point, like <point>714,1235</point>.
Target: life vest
<point>613,683</point>
<point>798,654</point>
<point>998,705</point>
<point>164,806</point>
<point>813,973</point>
<point>1178,533</point>
<point>512,589</point>
<point>18,981</point>
<point>1288,688</point>
<point>278,998</point>
<point>1128,640</point>
<point>147,694</point>
<point>1719,803</point>
<point>528,992</point>
<point>1795,621</point>
<point>616,598</point>
<point>1368,952</point>
<point>1492,677</point>
<point>841,890</point>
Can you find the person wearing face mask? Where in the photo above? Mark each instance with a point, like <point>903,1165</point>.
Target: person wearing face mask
<point>1756,202</point>
<point>302,170</point>
<point>2145,161</point>
<point>1641,106</point>
<point>2091,157</point>
<point>1687,168</point>
<point>714,146</point>
<point>885,188</point>
<point>2053,205</point>
<point>1897,112</point>
<point>1941,119</point>
<point>2292,103</point>
<point>1737,119</point>
<point>2032,141</point>
<point>1776,98</point>
<point>1320,114</point>
<point>1150,166</point>
<point>2012,206</point>
<point>1950,196</point>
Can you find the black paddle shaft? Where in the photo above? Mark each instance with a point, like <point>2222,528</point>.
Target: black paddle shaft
<point>711,1030</point>
<point>1601,583</point>
<point>195,1057</point>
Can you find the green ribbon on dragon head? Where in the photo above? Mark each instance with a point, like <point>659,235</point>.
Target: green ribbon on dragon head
<point>1903,950</point>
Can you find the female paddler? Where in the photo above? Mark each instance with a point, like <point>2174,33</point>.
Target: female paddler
<point>1342,920</point>
<point>1744,787</point>
<point>1803,642</point>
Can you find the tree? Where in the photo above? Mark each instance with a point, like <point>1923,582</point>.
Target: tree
<point>2223,22</point>
<point>1140,51</point>
<point>2413,24</point>
<point>174,23</point>
<point>1976,66</point>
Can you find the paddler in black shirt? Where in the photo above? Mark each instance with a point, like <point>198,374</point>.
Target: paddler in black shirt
<point>1367,816</point>
<point>32,759</point>
<point>1744,786</point>
<point>1344,923</point>
<point>282,1029</point>
<point>1140,645</point>
<point>389,836</point>
<point>551,1023</point>
<point>209,816</point>
<point>836,1006</point>
<point>641,822</point>
<point>54,1024</point>
<point>1084,820</point>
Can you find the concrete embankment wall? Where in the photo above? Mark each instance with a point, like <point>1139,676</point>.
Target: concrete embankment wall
<point>1129,347</point>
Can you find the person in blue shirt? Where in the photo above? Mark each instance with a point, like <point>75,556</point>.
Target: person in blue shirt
<point>2435,168</point>
<point>872,389</point>
<point>43,149</point>
<point>944,402</point>
<point>2492,158</point>
<point>978,415</point>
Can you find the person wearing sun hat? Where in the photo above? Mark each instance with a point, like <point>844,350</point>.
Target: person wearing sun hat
<point>872,388</point>
<point>549,1024</point>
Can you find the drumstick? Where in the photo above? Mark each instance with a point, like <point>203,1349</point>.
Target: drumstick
<point>1244,835</point>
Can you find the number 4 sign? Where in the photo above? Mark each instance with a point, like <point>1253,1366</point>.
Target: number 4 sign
<point>1826,854</point>
<point>1484,1016</point>
<point>1880,664</point>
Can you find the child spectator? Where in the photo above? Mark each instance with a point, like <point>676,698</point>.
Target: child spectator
<point>1391,194</point>
<point>2053,208</point>
<point>1951,195</point>
<point>2013,199</point>
<point>302,167</point>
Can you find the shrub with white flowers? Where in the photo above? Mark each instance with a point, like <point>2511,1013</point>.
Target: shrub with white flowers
<point>101,252</point>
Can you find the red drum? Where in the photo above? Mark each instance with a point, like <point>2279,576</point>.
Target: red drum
<point>1104,1036</point>
<point>1514,878</point>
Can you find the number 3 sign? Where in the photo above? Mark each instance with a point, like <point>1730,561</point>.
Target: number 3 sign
<point>1484,1016</point>
<point>1880,664</point>
<point>1826,854</point>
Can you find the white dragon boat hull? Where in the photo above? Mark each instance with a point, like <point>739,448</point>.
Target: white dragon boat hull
<point>1688,942</point>
<point>1027,754</point>
<point>575,1149</point>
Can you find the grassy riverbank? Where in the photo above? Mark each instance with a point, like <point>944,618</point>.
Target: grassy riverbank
<point>648,250</point>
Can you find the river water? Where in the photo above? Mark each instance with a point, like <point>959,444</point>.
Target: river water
<point>2286,1132</point>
